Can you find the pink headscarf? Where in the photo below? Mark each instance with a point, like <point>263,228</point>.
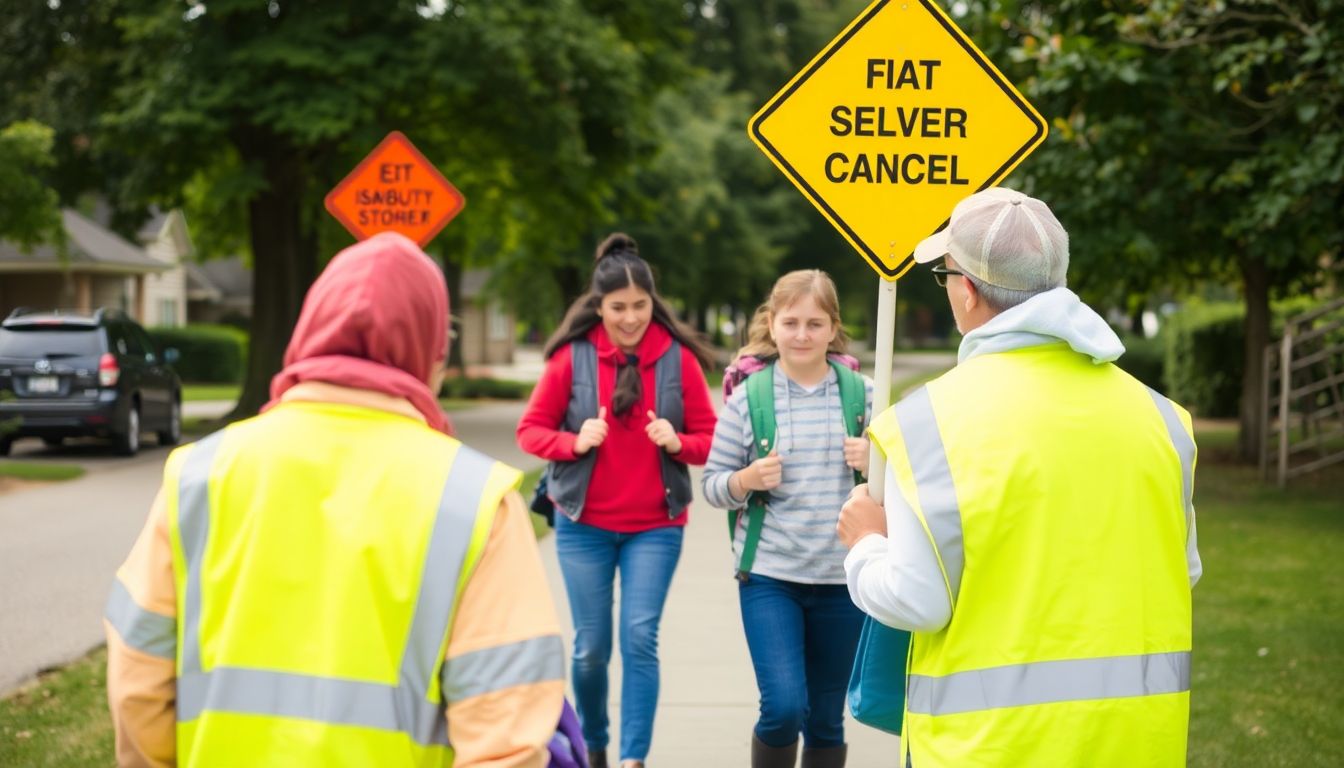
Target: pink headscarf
<point>376,318</point>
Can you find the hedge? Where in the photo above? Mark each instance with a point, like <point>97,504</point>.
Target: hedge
<point>489,389</point>
<point>1205,353</point>
<point>207,354</point>
<point>1145,359</point>
<point>1204,358</point>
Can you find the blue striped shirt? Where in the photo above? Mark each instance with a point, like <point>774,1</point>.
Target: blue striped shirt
<point>798,541</point>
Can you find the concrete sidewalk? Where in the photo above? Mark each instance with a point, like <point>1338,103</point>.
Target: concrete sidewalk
<point>709,701</point>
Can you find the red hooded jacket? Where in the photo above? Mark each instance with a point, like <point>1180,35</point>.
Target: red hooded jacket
<point>626,491</point>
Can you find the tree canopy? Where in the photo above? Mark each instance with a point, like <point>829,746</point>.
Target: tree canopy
<point>29,209</point>
<point>1191,142</point>
<point>252,112</point>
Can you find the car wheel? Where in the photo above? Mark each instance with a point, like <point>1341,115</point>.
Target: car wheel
<point>127,442</point>
<point>53,442</point>
<point>173,434</point>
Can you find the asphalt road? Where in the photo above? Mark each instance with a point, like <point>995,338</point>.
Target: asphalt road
<point>59,546</point>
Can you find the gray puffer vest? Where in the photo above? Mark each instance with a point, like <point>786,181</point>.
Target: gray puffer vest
<point>567,481</point>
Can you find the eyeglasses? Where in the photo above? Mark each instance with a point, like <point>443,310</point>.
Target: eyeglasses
<point>940,274</point>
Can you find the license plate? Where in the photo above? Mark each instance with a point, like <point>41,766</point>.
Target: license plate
<point>44,385</point>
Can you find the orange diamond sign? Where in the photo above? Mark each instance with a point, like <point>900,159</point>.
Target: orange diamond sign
<point>395,189</point>
<point>892,124</point>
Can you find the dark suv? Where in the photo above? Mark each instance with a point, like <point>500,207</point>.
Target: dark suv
<point>67,374</point>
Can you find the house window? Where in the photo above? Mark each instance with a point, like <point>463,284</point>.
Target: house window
<point>167,312</point>
<point>501,324</point>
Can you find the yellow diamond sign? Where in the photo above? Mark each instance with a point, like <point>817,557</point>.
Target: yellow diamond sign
<point>893,123</point>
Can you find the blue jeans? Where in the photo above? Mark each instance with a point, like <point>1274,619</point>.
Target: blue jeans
<point>589,558</point>
<point>803,638</point>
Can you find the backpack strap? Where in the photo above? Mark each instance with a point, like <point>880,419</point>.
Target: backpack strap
<point>761,406</point>
<point>853,403</point>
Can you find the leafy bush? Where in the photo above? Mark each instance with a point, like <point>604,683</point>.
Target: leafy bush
<point>1204,358</point>
<point>487,389</point>
<point>207,354</point>
<point>1145,360</point>
<point>1205,353</point>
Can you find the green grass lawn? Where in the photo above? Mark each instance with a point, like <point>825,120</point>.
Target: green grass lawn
<point>196,392</point>
<point>43,472</point>
<point>451,404</point>
<point>59,720</point>
<point>715,379</point>
<point>1268,677</point>
<point>1268,685</point>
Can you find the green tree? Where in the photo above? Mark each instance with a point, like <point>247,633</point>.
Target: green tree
<point>1190,142</point>
<point>714,232</point>
<point>752,224</point>
<point>58,68</point>
<point>29,209</point>
<point>533,108</point>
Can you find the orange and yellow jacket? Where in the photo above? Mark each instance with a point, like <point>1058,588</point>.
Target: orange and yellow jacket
<point>502,611</point>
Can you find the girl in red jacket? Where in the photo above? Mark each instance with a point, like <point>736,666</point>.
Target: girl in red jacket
<point>620,412</point>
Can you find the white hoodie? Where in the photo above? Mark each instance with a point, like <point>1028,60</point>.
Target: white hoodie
<point>1057,314</point>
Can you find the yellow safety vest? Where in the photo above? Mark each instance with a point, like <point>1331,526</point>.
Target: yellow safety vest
<point>1057,495</point>
<point>320,551</point>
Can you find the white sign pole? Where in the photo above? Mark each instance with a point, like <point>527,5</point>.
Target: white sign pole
<point>886,338</point>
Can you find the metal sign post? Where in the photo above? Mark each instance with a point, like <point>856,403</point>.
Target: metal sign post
<point>884,351</point>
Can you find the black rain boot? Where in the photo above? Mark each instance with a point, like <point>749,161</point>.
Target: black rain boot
<point>825,757</point>
<point>765,756</point>
<point>597,758</point>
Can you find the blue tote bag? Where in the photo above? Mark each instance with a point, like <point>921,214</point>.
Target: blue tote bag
<point>877,685</point>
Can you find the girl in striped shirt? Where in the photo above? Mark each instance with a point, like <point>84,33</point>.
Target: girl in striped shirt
<point>801,627</point>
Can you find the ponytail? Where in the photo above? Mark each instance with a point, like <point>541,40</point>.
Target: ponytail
<point>759,344</point>
<point>619,265</point>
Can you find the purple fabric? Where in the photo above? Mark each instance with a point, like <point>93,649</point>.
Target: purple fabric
<point>746,365</point>
<point>567,748</point>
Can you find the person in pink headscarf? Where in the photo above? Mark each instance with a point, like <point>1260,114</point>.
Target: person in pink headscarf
<point>376,320</point>
<point>290,595</point>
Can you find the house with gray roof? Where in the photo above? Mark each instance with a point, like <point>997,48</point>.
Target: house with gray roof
<point>219,291</point>
<point>166,238</point>
<point>98,268</point>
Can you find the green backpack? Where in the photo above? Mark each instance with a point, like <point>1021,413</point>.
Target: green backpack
<point>761,405</point>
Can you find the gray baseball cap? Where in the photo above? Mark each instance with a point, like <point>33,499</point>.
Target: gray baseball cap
<point>1003,238</point>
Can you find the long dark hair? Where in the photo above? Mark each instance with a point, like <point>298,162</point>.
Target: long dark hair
<point>619,266</point>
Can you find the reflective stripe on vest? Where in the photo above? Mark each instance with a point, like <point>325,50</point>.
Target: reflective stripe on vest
<point>1047,682</point>
<point>140,628</point>
<point>534,660</point>
<point>1185,448</point>
<point>933,483</point>
<point>404,707</point>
